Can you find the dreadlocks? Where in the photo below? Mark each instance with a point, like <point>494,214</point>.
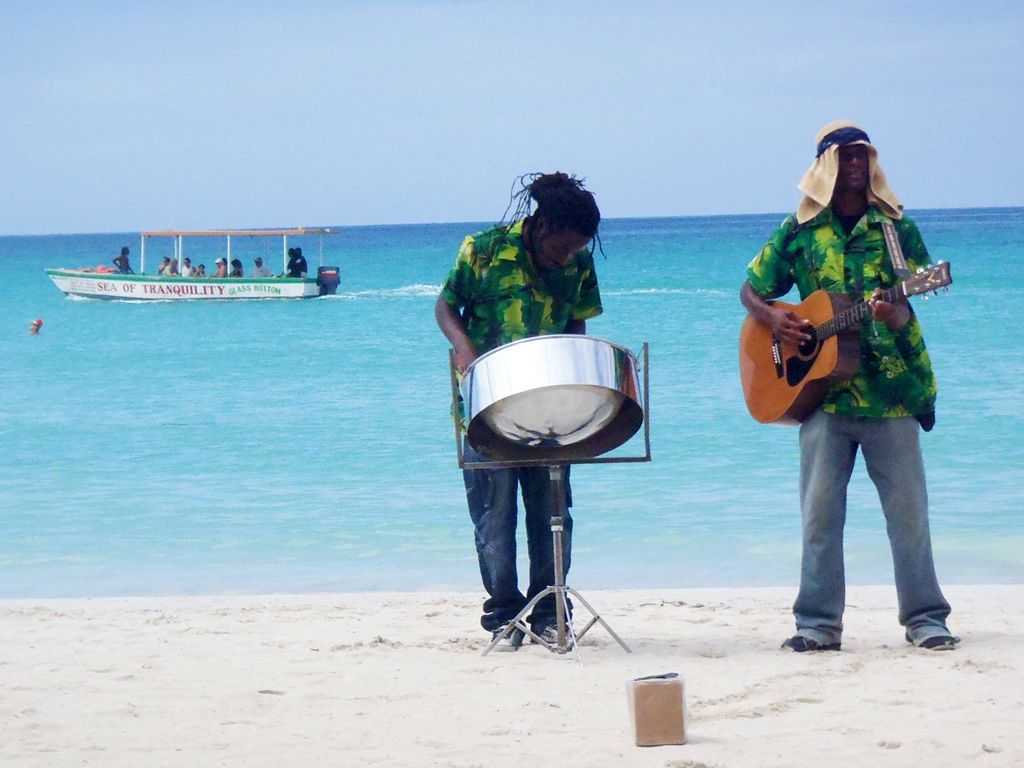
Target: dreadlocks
<point>562,201</point>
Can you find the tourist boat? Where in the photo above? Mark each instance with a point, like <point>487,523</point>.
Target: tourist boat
<point>104,283</point>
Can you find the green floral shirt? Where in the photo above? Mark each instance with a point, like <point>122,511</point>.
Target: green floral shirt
<point>502,298</point>
<point>895,376</point>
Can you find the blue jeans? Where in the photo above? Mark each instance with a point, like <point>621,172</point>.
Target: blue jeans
<point>491,494</point>
<point>892,453</point>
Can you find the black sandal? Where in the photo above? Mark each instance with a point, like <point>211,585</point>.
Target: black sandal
<point>801,644</point>
<point>936,642</point>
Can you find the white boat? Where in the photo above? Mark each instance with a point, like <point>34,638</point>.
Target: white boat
<point>99,283</point>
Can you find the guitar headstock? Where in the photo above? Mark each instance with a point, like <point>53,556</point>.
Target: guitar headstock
<point>928,279</point>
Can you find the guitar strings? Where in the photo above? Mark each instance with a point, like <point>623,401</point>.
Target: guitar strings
<point>832,326</point>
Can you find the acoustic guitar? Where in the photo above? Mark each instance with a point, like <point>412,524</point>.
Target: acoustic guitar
<point>784,384</point>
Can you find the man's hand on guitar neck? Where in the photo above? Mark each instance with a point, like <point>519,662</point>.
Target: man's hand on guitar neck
<point>788,327</point>
<point>894,315</point>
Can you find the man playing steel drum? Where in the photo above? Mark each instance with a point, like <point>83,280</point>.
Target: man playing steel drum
<point>531,277</point>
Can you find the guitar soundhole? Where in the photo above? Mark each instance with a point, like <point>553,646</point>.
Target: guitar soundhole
<point>809,348</point>
<point>798,365</point>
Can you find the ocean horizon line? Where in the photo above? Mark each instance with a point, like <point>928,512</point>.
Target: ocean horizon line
<point>999,209</point>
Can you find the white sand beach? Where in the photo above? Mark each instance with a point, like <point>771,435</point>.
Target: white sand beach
<point>398,679</point>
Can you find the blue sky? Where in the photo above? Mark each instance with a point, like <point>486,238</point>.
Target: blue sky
<point>129,116</point>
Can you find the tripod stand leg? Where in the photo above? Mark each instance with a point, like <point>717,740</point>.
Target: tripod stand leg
<point>597,618</point>
<point>572,639</point>
<point>520,622</point>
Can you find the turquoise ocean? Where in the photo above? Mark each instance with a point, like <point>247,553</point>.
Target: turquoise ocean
<point>294,446</point>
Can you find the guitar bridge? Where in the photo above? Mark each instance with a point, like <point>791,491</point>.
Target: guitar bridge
<point>780,370</point>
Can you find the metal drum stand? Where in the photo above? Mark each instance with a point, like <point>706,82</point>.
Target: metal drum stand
<point>566,639</point>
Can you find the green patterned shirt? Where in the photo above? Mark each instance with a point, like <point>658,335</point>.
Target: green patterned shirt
<point>895,376</point>
<point>502,298</point>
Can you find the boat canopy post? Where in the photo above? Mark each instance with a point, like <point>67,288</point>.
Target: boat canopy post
<point>142,255</point>
<point>284,256</point>
<point>321,249</point>
<point>229,249</point>
<point>181,251</point>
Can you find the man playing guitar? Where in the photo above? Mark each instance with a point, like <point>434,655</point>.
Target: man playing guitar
<point>837,241</point>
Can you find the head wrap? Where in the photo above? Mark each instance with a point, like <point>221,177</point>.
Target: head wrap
<point>820,179</point>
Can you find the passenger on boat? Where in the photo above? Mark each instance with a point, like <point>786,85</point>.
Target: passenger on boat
<point>222,268</point>
<point>121,262</point>
<point>236,268</point>
<point>171,270</point>
<point>296,263</point>
<point>200,271</point>
<point>187,269</point>
<point>163,266</point>
<point>260,270</point>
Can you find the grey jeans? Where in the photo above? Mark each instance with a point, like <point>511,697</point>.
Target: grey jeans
<point>892,453</point>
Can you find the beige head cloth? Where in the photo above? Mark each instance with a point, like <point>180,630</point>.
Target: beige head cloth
<point>820,179</point>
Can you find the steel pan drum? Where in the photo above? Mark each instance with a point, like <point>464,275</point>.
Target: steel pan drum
<point>552,398</point>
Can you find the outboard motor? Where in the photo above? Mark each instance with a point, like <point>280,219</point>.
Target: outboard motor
<point>328,279</point>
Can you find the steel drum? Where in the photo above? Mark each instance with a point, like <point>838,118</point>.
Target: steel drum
<point>552,398</point>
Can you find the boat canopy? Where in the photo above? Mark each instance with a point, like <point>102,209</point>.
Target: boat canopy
<point>178,234</point>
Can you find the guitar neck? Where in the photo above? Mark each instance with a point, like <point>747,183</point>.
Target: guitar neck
<point>856,314</point>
